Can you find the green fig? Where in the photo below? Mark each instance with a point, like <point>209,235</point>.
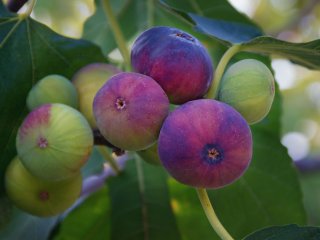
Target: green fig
<point>38,197</point>
<point>54,142</point>
<point>52,89</point>
<point>248,86</point>
<point>151,155</point>
<point>88,80</point>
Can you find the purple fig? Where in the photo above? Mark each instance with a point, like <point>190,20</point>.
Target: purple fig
<point>176,60</point>
<point>205,144</point>
<point>129,110</point>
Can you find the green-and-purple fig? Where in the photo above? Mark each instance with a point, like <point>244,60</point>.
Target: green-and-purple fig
<point>52,89</point>
<point>54,142</point>
<point>248,86</point>
<point>151,155</point>
<point>38,197</point>
<point>88,80</point>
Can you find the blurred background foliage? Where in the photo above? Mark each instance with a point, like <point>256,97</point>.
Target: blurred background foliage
<point>290,20</point>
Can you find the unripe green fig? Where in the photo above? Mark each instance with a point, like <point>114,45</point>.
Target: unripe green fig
<point>38,197</point>
<point>52,89</point>
<point>248,86</point>
<point>54,142</point>
<point>88,80</point>
<point>151,155</point>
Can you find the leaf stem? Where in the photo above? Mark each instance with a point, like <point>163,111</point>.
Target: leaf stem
<point>27,13</point>
<point>117,33</point>
<point>107,156</point>
<point>213,91</point>
<point>211,215</point>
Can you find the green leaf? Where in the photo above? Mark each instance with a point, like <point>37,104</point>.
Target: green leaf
<point>292,232</point>
<point>216,18</point>
<point>268,194</point>
<point>97,28</point>
<point>30,51</point>
<point>90,220</point>
<point>306,54</point>
<point>140,207</point>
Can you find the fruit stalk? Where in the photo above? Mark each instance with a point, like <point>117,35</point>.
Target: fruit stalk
<point>213,90</point>
<point>27,13</point>
<point>211,215</point>
<point>117,33</point>
<point>106,155</point>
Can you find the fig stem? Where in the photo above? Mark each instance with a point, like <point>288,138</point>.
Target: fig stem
<point>214,89</point>
<point>108,157</point>
<point>118,35</point>
<point>211,215</point>
<point>30,7</point>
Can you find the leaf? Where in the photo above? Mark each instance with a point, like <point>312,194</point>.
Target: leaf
<point>140,207</point>
<point>26,226</point>
<point>306,54</point>
<point>90,220</point>
<point>268,194</point>
<point>292,232</point>
<point>97,28</point>
<point>216,18</point>
<point>30,51</point>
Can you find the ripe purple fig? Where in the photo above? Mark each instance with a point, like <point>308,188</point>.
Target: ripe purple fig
<point>54,142</point>
<point>176,60</point>
<point>88,80</point>
<point>38,197</point>
<point>52,89</point>
<point>205,144</point>
<point>129,110</point>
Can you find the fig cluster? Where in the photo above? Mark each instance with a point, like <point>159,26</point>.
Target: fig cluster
<point>203,143</point>
<point>159,110</point>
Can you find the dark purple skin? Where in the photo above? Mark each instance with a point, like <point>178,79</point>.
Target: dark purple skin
<point>205,144</point>
<point>130,109</point>
<point>176,60</point>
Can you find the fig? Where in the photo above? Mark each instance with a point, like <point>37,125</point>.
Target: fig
<point>88,80</point>
<point>38,197</point>
<point>129,110</point>
<point>205,143</point>
<point>54,142</point>
<point>52,89</point>
<point>248,86</point>
<point>176,60</point>
<point>150,155</point>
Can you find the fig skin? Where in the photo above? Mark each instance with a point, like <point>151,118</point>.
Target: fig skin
<point>205,144</point>
<point>248,86</point>
<point>52,89</point>
<point>129,110</point>
<point>88,80</point>
<point>38,197</point>
<point>176,60</point>
<point>54,142</point>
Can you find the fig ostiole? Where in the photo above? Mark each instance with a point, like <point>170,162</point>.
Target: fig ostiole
<point>88,80</point>
<point>205,144</point>
<point>38,197</point>
<point>176,60</point>
<point>54,142</point>
<point>52,89</point>
<point>248,86</point>
<point>129,110</point>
